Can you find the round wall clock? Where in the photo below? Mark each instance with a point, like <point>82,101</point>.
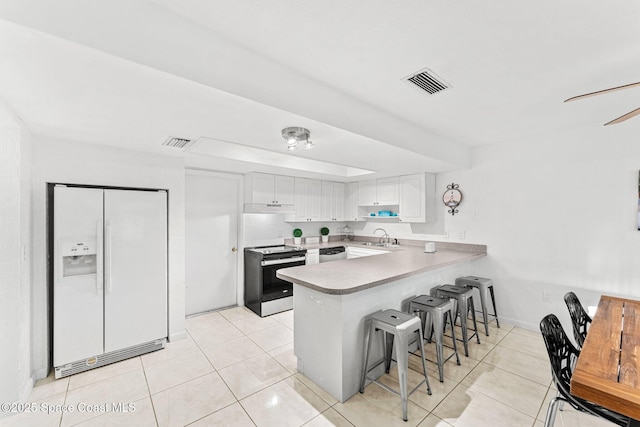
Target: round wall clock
<point>452,198</point>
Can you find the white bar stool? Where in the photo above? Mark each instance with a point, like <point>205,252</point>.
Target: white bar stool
<point>397,326</point>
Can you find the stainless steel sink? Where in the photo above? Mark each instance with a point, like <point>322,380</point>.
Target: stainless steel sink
<point>381,245</point>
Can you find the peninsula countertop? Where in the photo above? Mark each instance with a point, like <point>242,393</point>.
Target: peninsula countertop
<point>353,275</point>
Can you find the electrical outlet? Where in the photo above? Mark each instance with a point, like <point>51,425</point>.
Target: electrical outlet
<point>475,214</point>
<point>461,234</point>
<point>546,296</point>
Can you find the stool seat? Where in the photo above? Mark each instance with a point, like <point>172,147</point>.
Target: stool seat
<point>397,326</point>
<point>485,288</point>
<point>434,313</point>
<point>464,301</point>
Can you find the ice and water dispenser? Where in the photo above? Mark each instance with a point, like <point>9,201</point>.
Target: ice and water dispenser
<point>78,258</point>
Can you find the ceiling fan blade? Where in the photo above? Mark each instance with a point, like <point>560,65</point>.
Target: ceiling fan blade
<point>600,92</point>
<point>624,117</point>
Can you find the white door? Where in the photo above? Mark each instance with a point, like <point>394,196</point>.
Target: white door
<point>135,267</point>
<point>211,241</point>
<point>77,299</point>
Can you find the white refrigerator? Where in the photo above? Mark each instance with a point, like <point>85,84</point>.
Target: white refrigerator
<point>109,275</point>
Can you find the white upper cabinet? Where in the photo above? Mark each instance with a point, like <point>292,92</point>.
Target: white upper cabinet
<point>308,199</point>
<point>338,201</point>
<point>378,192</point>
<point>367,193</point>
<point>269,189</point>
<point>284,190</point>
<point>351,202</point>
<point>417,198</point>
<point>387,190</point>
<point>332,201</point>
<point>413,196</point>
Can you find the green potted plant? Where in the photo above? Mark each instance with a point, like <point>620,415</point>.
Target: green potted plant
<point>325,234</point>
<point>297,236</point>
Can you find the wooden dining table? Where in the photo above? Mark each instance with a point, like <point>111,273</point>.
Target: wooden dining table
<point>607,370</point>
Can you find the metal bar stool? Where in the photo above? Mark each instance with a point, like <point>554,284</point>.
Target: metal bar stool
<point>464,300</point>
<point>396,326</point>
<point>484,286</point>
<point>433,313</point>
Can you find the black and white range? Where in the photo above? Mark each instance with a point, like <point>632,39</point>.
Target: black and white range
<point>264,293</point>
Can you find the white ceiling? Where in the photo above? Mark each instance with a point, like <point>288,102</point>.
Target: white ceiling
<point>233,73</point>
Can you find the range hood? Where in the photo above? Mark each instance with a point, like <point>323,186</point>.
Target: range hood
<point>268,208</point>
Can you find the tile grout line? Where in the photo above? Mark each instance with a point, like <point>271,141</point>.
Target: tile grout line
<point>497,367</point>
<point>146,380</point>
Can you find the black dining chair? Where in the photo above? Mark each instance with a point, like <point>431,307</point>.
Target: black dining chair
<point>562,355</point>
<point>579,318</point>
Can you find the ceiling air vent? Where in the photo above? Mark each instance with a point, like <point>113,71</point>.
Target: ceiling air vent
<point>428,81</point>
<point>181,143</point>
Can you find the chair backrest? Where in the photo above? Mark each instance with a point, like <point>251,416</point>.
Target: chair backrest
<point>579,318</point>
<point>563,355</point>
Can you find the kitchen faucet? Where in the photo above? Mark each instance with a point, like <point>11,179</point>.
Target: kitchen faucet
<point>385,237</point>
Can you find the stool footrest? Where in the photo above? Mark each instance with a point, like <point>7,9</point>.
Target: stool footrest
<point>397,393</point>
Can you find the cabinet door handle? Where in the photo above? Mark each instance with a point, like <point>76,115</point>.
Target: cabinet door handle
<point>234,249</point>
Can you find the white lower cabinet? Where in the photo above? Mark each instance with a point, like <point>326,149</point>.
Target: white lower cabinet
<point>313,256</point>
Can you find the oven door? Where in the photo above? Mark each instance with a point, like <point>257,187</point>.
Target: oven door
<point>273,287</point>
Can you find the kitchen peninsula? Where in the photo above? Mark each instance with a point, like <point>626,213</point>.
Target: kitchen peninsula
<point>333,300</point>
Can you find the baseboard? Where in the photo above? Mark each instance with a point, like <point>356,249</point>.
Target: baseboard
<point>26,388</point>
<point>519,323</point>
<point>178,336</point>
<point>39,374</point>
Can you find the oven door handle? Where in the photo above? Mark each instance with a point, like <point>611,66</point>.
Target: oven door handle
<point>282,261</point>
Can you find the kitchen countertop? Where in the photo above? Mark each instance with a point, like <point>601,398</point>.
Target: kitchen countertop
<point>353,275</point>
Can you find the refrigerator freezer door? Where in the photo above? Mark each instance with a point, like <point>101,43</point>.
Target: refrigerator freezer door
<point>77,286</point>
<point>135,267</point>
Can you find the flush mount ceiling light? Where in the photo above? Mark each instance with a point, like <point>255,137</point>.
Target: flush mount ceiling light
<point>293,135</point>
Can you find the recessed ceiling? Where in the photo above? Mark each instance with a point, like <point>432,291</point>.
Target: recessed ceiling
<point>239,72</point>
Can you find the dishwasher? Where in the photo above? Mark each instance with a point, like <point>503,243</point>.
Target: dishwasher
<point>332,254</point>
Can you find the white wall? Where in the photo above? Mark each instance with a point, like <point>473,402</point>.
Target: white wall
<point>76,163</point>
<point>15,218</point>
<point>557,214</point>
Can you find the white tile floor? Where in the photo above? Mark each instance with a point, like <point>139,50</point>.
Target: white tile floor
<point>236,369</point>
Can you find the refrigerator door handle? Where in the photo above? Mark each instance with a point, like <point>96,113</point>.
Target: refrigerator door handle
<point>99,260</point>
<point>107,257</point>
